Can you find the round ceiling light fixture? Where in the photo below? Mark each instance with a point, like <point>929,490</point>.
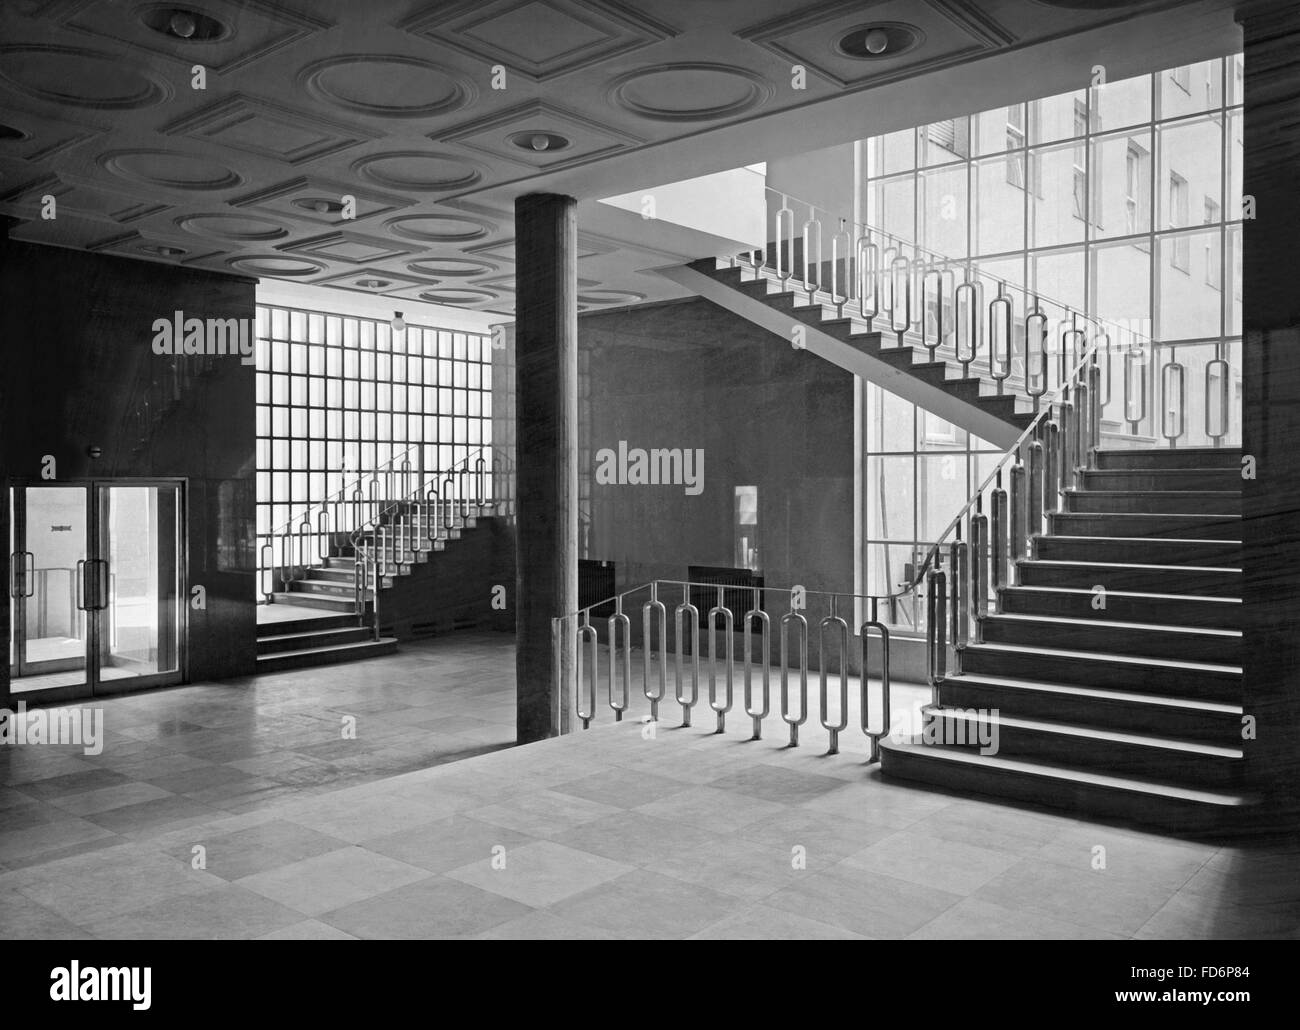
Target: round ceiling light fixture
<point>539,142</point>
<point>398,323</point>
<point>319,205</point>
<point>882,39</point>
<point>184,24</point>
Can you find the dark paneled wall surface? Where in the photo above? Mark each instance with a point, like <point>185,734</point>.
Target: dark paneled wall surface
<point>77,344</point>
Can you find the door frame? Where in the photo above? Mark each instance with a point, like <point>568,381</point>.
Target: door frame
<point>96,620</point>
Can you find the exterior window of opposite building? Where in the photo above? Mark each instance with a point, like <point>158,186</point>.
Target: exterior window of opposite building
<point>1180,254</point>
<point>1213,256</point>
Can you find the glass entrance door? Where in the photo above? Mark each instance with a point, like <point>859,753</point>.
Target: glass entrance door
<point>94,588</point>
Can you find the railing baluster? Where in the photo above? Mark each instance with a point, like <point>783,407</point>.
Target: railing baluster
<point>587,635</point>
<point>841,629</point>
<point>721,709</point>
<point>693,621</point>
<point>616,621</point>
<point>875,623</point>
<point>1173,387</point>
<point>764,621</point>
<point>796,619</point>
<point>657,607</point>
<point>936,619</point>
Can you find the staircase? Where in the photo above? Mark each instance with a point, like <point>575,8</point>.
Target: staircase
<point>933,378</point>
<point>406,535</point>
<point>1125,703</point>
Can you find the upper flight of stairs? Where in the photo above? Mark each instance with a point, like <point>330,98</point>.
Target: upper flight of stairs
<point>971,401</point>
<point>1132,710</point>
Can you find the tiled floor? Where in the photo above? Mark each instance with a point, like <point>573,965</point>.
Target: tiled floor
<point>239,810</point>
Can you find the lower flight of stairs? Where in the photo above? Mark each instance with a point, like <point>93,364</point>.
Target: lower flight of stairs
<point>327,640</point>
<point>1124,704</point>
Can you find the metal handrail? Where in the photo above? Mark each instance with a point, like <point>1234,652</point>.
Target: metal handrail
<point>687,657</point>
<point>442,507</point>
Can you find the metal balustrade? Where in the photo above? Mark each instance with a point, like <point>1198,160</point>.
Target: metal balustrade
<point>1016,341</point>
<point>430,509</point>
<point>957,582</point>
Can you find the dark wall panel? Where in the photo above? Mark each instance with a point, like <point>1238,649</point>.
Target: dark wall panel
<point>80,371</point>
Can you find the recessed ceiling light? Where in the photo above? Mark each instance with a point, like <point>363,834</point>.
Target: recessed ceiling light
<point>184,24</point>
<point>320,205</point>
<point>162,251</point>
<point>539,142</point>
<point>373,284</point>
<point>883,39</point>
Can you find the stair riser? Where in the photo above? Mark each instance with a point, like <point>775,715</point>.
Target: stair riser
<point>1223,729</point>
<point>1201,528</point>
<point>1163,479</point>
<point>1179,458</point>
<point>1173,814</point>
<point>345,590</point>
<point>1154,581</point>
<point>283,663</point>
<point>1101,755</point>
<point>1191,647</point>
<point>1100,673</point>
<point>1174,611</point>
<point>1225,553</point>
<point>326,604</point>
<point>276,645</point>
<point>267,630</point>
<point>334,575</point>
<point>1188,503</point>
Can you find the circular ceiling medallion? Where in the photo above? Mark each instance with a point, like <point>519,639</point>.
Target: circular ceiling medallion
<point>689,92</point>
<point>169,169</point>
<point>605,297</point>
<point>439,228</point>
<point>274,266</point>
<point>386,85</point>
<point>417,170</point>
<point>448,267</point>
<point>80,78</point>
<point>240,228</point>
<point>879,40</point>
<point>183,24</point>
<point>457,295</point>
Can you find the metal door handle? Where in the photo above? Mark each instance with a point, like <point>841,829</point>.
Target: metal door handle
<point>14,574</point>
<point>29,573</point>
<point>101,586</point>
<point>81,584</point>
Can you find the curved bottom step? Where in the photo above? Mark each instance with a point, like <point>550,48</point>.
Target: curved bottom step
<point>1179,810</point>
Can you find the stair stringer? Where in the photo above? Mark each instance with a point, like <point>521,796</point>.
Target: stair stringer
<point>934,399</point>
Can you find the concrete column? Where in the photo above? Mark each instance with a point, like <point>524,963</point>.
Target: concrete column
<point>1271,408</point>
<point>546,394</point>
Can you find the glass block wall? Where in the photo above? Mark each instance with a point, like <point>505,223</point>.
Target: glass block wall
<point>339,395</point>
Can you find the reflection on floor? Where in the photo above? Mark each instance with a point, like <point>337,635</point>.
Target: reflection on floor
<point>71,678</point>
<point>242,810</point>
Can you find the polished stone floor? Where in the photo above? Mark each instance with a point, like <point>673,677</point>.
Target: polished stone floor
<point>241,810</point>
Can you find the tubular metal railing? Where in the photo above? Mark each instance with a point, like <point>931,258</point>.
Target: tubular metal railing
<point>1016,341</point>
<point>433,508</point>
<point>718,664</point>
<point>309,536</point>
<point>959,577</point>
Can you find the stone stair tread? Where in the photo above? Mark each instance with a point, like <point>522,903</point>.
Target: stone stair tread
<point>1138,594</point>
<point>1044,770</point>
<point>1099,693</point>
<point>1145,540</point>
<point>360,646</point>
<point>1069,563</point>
<point>1104,656</point>
<point>1146,627</point>
<point>1076,730</point>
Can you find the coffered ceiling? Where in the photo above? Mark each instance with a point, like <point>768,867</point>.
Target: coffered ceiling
<point>426,119</point>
